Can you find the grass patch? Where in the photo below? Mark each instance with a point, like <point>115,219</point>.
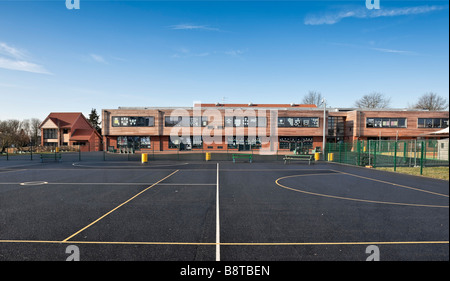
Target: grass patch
<point>431,172</point>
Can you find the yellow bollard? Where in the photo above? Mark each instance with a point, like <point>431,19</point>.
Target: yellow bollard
<point>57,149</point>
<point>330,157</point>
<point>208,156</point>
<point>317,156</point>
<point>144,158</point>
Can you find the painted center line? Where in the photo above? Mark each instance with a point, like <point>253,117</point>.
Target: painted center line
<point>217,218</point>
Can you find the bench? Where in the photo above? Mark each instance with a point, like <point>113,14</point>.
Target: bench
<point>245,156</point>
<point>298,157</point>
<point>54,156</point>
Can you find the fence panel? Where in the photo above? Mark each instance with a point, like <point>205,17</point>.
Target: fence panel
<point>390,153</point>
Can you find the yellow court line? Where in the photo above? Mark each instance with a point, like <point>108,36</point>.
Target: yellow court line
<point>9,171</point>
<point>352,199</point>
<point>395,184</point>
<point>100,218</point>
<point>228,243</point>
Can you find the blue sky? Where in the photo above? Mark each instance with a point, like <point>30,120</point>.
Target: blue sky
<point>150,53</point>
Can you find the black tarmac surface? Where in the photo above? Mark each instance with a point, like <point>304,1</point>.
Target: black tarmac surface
<point>268,211</point>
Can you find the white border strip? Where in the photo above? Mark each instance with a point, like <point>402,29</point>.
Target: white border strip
<point>217,218</point>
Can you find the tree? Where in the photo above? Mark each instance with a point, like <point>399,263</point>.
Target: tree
<point>35,131</point>
<point>94,120</point>
<point>432,102</point>
<point>313,97</point>
<point>373,100</point>
<point>11,134</point>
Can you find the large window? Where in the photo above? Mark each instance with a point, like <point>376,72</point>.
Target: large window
<point>136,143</point>
<point>432,123</point>
<point>185,121</point>
<point>245,121</point>
<point>243,142</point>
<point>50,133</point>
<point>300,143</point>
<point>305,122</point>
<point>133,121</point>
<point>186,143</point>
<point>386,123</point>
<point>336,126</point>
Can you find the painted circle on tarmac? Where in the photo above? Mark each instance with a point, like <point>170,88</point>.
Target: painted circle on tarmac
<point>277,181</point>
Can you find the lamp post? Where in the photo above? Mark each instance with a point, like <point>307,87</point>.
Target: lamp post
<point>324,126</point>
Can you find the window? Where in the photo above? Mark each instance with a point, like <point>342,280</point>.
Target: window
<point>133,121</point>
<point>50,133</point>
<point>185,121</point>
<point>186,143</point>
<point>244,142</point>
<point>136,143</point>
<point>386,123</point>
<point>300,143</point>
<point>336,127</point>
<point>304,122</point>
<point>432,123</point>
<point>245,121</point>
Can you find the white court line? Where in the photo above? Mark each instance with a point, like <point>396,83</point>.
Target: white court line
<point>113,183</point>
<point>217,218</point>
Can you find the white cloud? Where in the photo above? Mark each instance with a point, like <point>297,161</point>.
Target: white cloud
<point>363,13</point>
<point>192,27</point>
<point>234,53</point>
<point>186,53</point>
<point>394,51</point>
<point>14,59</point>
<point>97,58</point>
<point>369,47</point>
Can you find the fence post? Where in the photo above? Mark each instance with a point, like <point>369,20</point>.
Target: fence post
<point>395,156</point>
<point>358,147</point>
<point>405,150</point>
<point>421,157</point>
<point>375,154</point>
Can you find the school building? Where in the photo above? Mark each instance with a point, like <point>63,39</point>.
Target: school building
<point>259,126</point>
<point>64,129</point>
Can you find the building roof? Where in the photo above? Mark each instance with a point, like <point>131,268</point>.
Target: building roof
<point>63,119</point>
<point>254,105</point>
<point>81,135</point>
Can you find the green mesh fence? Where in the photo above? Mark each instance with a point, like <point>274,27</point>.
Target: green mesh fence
<point>387,153</point>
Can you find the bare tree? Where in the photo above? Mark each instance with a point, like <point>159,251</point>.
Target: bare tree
<point>373,100</point>
<point>13,133</point>
<point>432,102</point>
<point>35,131</point>
<point>313,97</point>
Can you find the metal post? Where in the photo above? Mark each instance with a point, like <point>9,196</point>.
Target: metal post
<point>375,154</point>
<point>324,126</point>
<point>415,153</point>
<point>421,157</point>
<point>395,156</point>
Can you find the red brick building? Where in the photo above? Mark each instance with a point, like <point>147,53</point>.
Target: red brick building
<point>257,126</point>
<point>70,129</point>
